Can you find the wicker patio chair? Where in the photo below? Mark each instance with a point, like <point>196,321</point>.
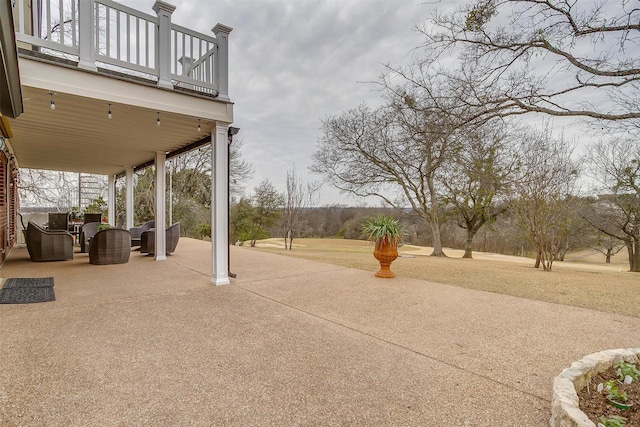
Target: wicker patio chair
<point>48,245</point>
<point>59,221</point>
<point>136,232</point>
<point>148,240</point>
<point>110,246</point>
<point>92,217</point>
<point>88,231</point>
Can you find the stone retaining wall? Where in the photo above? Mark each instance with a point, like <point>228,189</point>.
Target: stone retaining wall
<point>565,411</point>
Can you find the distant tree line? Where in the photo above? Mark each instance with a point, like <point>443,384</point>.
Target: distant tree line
<point>504,235</point>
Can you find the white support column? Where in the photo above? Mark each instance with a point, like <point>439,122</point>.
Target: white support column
<point>129,197</point>
<point>161,206</point>
<point>220,205</point>
<point>163,42</point>
<point>111,200</point>
<point>222,60</point>
<point>86,36</point>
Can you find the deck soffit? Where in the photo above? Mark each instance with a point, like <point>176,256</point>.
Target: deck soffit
<point>78,136</point>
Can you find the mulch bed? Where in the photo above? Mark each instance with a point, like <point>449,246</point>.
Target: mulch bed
<point>595,404</point>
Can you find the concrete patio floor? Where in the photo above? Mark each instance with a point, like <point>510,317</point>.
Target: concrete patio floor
<point>289,343</point>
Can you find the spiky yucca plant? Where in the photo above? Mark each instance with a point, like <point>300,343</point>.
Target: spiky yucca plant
<point>381,226</point>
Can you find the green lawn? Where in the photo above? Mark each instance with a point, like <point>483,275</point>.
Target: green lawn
<point>588,284</point>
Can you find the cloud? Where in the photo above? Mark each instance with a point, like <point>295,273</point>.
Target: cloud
<point>294,62</point>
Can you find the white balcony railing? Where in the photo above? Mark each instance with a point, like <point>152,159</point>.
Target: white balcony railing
<point>105,34</point>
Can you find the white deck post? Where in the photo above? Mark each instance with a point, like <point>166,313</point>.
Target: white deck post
<point>161,206</point>
<point>220,205</point>
<point>129,197</point>
<point>86,36</point>
<point>163,43</point>
<point>111,200</point>
<point>222,60</point>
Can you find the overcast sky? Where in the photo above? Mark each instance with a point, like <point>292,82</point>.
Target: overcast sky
<point>293,62</point>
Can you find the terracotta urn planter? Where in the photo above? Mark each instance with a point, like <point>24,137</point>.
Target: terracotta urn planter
<point>386,251</point>
<point>386,232</point>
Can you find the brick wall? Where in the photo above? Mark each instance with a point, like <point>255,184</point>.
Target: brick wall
<point>4,208</point>
<point>9,206</point>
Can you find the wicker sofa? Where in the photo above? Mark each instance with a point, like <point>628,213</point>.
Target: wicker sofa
<point>110,246</point>
<point>148,240</point>
<point>48,245</point>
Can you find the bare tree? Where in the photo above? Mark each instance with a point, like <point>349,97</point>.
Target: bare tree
<point>543,188</point>
<point>615,164</point>
<point>240,170</point>
<point>608,246</point>
<point>562,58</point>
<point>477,178</point>
<point>199,163</point>
<point>48,188</point>
<point>53,188</point>
<point>144,196</point>
<point>298,198</point>
<point>394,153</point>
<point>266,203</point>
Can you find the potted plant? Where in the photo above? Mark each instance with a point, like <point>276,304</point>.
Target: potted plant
<point>104,226</point>
<point>74,215</point>
<point>385,232</point>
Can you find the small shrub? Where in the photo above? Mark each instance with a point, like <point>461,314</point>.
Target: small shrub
<point>614,393</point>
<point>614,421</point>
<point>627,372</point>
<point>104,227</point>
<point>203,230</point>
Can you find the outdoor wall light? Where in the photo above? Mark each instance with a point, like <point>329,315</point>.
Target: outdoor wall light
<point>158,119</point>
<point>231,131</point>
<point>53,103</point>
<point>109,112</point>
<point>199,128</point>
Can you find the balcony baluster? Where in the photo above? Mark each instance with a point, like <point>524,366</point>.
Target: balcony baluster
<point>103,34</point>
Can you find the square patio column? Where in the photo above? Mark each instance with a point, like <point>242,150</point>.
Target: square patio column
<point>129,196</point>
<point>111,200</point>
<point>220,205</point>
<point>161,206</point>
<point>222,60</point>
<point>86,39</point>
<point>163,42</point>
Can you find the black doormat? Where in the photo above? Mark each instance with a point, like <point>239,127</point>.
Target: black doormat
<point>28,282</point>
<point>22,290</point>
